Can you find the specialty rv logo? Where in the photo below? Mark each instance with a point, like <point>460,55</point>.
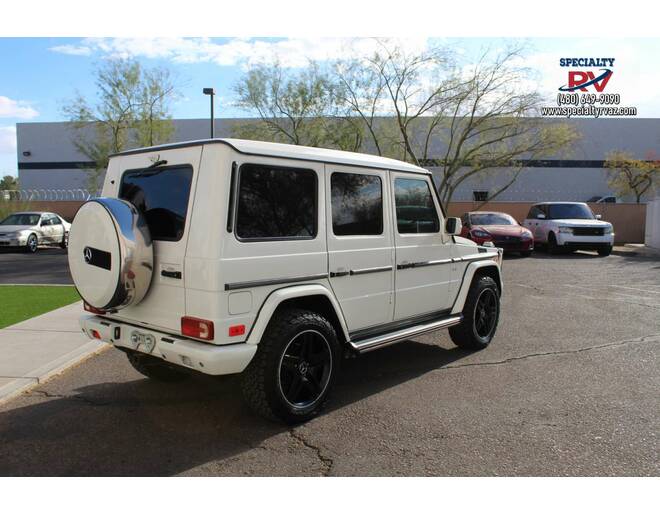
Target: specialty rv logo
<point>583,79</point>
<point>583,93</point>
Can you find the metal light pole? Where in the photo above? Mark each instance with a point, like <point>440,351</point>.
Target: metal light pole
<point>209,91</point>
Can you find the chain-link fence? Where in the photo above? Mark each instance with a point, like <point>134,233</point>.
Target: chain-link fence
<point>47,195</point>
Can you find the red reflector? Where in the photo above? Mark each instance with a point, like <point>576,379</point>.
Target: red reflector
<point>236,330</point>
<point>198,328</point>
<point>95,334</point>
<point>91,309</point>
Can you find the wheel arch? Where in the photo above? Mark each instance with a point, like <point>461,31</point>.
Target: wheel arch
<point>476,270</point>
<point>312,297</point>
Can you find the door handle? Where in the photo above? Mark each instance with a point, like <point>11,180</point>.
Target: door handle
<point>170,274</point>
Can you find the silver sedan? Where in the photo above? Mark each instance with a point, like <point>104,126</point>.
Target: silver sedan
<point>32,229</point>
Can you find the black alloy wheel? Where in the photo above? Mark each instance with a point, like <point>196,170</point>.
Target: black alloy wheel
<point>305,368</point>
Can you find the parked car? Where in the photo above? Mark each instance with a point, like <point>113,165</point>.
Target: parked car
<point>500,229</point>
<point>274,261</point>
<point>32,229</point>
<point>603,199</point>
<point>569,226</point>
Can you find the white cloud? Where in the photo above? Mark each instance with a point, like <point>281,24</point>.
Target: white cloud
<point>72,49</point>
<point>289,52</point>
<point>8,140</point>
<point>16,109</point>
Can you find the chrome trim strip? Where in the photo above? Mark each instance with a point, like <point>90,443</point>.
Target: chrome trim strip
<point>273,282</point>
<point>475,257</point>
<point>393,337</point>
<point>364,271</point>
<point>423,264</point>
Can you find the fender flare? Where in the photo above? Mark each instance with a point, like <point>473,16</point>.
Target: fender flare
<point>468,275</point>
<point>286,293</point>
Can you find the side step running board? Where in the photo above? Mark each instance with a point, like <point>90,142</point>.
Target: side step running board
<point>373,343</point>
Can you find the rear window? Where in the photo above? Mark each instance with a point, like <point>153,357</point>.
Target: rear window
<point>161,194</point>
<point>276,203</point>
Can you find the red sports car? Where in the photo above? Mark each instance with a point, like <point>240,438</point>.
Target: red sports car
<point>500,229</point>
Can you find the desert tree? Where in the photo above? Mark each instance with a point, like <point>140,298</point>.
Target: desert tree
<point>298,107</point>
<point>628,176</point>
<point>132,108</point>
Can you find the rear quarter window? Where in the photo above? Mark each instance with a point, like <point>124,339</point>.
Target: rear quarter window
<point>276,203</point>
<point>162,195</point>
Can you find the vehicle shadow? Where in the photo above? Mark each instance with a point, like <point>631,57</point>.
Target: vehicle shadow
<point>142,427</point>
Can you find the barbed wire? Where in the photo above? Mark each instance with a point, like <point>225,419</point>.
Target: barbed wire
<point>48,195</point>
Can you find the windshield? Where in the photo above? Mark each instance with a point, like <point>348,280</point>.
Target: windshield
<point>491,218</point>
<point>569,211</point>
<point>21,219</point>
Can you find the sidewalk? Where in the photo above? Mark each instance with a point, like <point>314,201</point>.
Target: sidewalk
<point>35,349</point>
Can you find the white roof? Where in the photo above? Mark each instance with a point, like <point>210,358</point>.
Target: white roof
<point>307,153</point>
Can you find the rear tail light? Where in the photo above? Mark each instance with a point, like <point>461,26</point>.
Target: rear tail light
<point>197,328</point>
<point>91,309</point>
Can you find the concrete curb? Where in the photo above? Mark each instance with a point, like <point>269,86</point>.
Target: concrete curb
<point>43,373</point>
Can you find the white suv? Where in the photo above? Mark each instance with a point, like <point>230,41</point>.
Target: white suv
<point>569,226</point>
<point>274,261</point>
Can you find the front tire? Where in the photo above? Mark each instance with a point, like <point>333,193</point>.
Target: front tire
<point>481,314</point>
<point>291,375</point>
<point>32,244</point>
<point>604,252</point>
<point>154,368</point>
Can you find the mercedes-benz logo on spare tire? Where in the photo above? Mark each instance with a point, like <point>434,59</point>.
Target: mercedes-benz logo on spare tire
<point>87,254</point>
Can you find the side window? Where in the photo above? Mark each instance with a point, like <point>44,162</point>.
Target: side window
<point>276,203</point>
<point>54,220</point>
<point>533,212</point>
<point>45,221</point>
<point>415,210</point>
<point>357,204</point>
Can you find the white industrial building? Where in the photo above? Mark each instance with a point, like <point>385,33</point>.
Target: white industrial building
<point>49,160</point>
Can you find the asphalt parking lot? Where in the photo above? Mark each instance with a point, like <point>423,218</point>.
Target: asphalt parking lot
<point>47,266</point>
<point>568,387</point>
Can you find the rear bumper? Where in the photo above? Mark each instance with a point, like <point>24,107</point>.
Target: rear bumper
<point>203,357</point>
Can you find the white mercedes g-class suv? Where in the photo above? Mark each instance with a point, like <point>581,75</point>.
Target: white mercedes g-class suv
<point>275,261</point>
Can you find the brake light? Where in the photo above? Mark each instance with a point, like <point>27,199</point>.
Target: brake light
<point>95,334</point>
<point>91,309</point>
<point>197,328</point>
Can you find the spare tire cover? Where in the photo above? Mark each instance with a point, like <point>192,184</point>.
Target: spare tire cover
<point>110,253</point>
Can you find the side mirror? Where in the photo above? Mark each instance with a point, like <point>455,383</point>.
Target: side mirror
<point>453,226</point>
<point>540,216</point>
<point>598,216</point>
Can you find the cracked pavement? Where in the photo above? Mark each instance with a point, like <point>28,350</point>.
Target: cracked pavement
<point>568,387</point>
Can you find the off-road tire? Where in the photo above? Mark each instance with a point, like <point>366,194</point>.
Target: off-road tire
<point>156,369</point>
<point>604,252</point>
<point>261,379</point>
<point>464,335</point>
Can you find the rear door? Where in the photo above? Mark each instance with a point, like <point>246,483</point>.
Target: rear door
<point>424,275</point>
<point>164,194</point>
<point>360,244</point>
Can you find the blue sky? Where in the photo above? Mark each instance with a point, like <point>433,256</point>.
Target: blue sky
<point>39,74</point>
